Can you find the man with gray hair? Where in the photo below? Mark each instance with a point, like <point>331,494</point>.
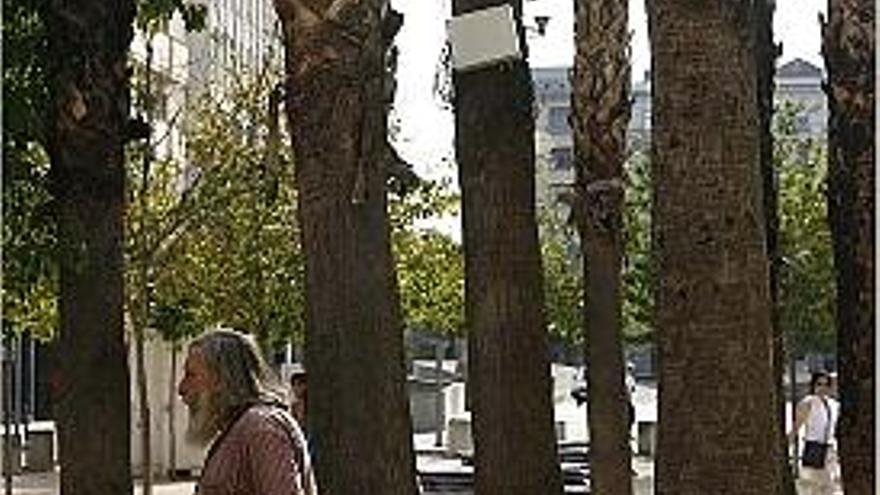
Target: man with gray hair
<point>256,447</point>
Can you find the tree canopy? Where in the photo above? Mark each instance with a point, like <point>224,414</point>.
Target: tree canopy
<point>30,269</point>
<point>807,284</point>
<point>429,263</point>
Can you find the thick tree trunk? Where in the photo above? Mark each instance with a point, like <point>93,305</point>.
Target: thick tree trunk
<point>849,48</point>
<point>718,427</point>
<point>509,374</point>
<point>600,98</point>
<point>89,89</point>
<point>337,97</point>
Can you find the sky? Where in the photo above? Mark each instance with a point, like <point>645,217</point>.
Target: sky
<point>426,126</point>
<point>425,138</point>
<point>795,23</point>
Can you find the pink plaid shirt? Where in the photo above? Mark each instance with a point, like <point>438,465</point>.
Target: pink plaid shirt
<point>263,453</point>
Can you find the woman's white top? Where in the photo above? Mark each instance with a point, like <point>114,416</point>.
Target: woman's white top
<point>817,421</point>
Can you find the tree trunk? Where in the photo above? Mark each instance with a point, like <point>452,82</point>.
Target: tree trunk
<point>718,429</point>
<point>337,97</point>
<point>766,52</point>
<point>510,387</point>
<point>88,43</point>
<point>600,98</point>
<point>172,413</point>
<point>849,47</point>
<point>141,306</point>
<point>144,422</point>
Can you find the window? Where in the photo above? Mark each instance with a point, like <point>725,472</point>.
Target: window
<point>802,123</point>
<point>557,120</point>
<point>562,158</point>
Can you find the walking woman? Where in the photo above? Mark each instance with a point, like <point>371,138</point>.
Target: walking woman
<point>817,414</point>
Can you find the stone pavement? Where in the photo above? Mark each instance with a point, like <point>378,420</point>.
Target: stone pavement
<point>47,484</point>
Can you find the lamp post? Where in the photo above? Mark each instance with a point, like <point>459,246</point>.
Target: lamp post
<point>8,450</point>
<point>439,398</point>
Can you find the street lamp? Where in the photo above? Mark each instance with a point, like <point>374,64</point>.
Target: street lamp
<point>488,36</point>
<point>540,24</point>
<point>483,37</point>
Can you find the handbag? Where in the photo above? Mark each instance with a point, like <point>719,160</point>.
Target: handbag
<point>815,453</point>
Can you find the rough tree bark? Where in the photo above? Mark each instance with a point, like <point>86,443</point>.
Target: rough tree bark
<point>718,429</point>
<point>88,43</point>
<point>849,48</point>
<point>600,99</point>
<point>509,374</point>
<point>337,92</point>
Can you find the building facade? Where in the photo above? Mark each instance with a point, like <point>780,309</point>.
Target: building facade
<point>798,82</point>
<point>240,35</point>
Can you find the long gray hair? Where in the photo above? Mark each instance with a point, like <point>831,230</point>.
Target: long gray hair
<point>244,376</point>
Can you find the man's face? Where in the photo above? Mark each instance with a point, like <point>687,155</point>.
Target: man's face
<point>198,388</point>
<point>197,378</point>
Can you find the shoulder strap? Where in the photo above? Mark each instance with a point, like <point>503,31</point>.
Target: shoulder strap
<point>828,419</point>
<point>237,414</point>
<point>290,426</point>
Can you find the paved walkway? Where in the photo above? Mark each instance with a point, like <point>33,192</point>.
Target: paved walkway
<point>47,483</point>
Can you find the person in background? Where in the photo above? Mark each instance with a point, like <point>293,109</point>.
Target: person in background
<point>630,383</point>
<point>817,414</point>
<point>255,445</point>
<point>299,395</point>
<point>832,456</point>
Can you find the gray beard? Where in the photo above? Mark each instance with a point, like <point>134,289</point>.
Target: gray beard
<point>203,424</point>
